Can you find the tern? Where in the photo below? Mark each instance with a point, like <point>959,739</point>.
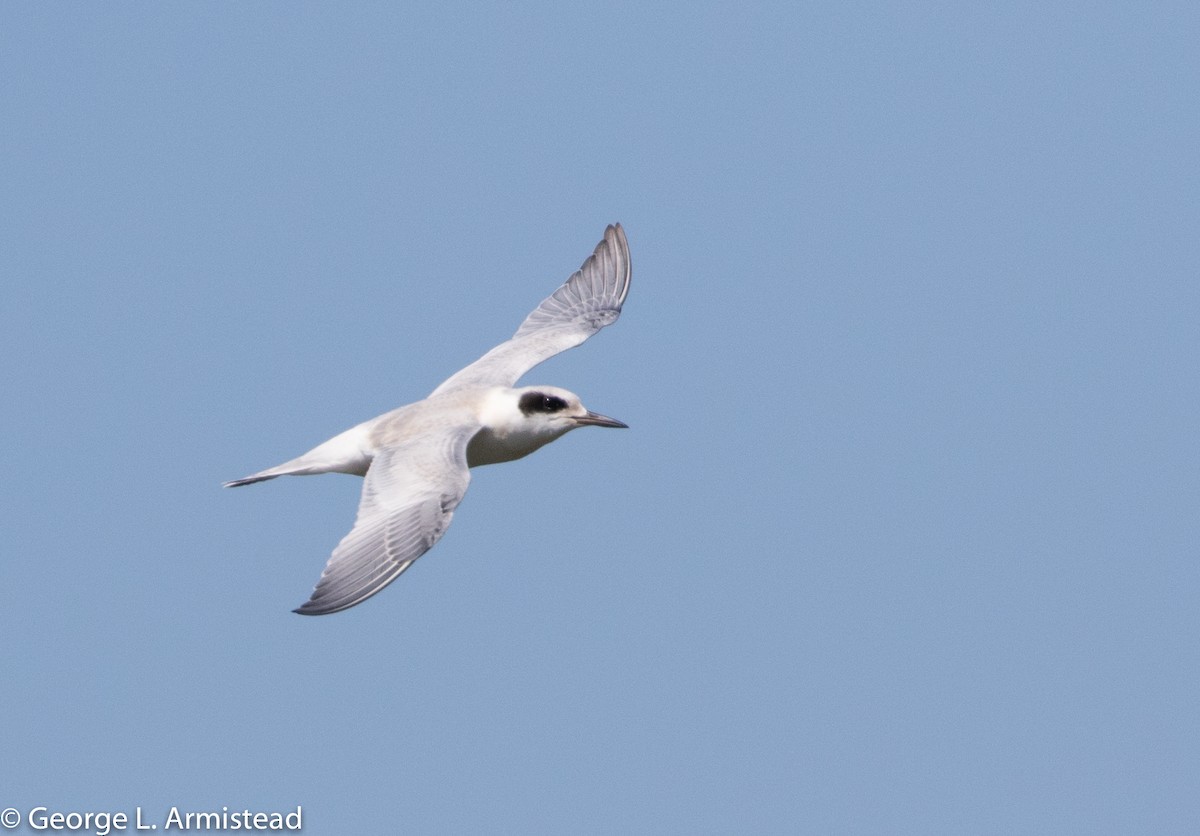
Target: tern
<point>416,460</point>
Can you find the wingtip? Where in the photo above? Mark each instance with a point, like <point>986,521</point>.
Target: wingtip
<point>313,607</point>
<point>618,244</point>
<point>309,608</point>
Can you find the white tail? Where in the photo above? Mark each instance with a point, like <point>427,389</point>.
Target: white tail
<point>348,452</point>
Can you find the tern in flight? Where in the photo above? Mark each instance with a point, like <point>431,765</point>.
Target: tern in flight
<point>417,459</point>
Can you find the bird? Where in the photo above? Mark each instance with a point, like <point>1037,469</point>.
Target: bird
<point>415,460</point>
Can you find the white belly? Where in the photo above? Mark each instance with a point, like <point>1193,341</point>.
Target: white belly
<point>488,447</point>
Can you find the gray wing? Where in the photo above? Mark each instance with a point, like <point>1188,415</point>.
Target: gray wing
<point>590,300</point>
<point>408,499</point>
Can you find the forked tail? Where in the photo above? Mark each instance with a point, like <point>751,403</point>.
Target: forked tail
<point>348,452</point>
<point>296,467</point>
<point>248,480</point>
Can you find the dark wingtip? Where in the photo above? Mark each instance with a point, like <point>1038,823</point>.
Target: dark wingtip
<point>310,607</point>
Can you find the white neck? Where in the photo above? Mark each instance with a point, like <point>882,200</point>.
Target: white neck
<point>507,433</point>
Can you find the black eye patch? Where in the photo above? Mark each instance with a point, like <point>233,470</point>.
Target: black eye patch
<point>532,402</point>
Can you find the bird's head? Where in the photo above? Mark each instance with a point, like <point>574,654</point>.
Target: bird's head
<point>515,422</point>
<point>552,409</point>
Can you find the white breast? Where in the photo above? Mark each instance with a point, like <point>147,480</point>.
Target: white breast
<point>490,447</point>
<point>505,434</point>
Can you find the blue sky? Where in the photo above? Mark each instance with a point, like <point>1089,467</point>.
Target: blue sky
<point>902,537</point>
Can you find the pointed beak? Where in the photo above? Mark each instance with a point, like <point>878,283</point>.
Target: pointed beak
<point>595,419</point>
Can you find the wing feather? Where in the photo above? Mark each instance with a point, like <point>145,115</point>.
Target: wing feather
<point>408,500</point>
<point>590,300</point>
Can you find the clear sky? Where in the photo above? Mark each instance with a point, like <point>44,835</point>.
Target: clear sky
<point>903,536</point>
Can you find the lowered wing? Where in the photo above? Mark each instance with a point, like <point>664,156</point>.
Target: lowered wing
<point>408,499</point>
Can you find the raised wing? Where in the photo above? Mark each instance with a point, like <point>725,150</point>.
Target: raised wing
<point>408,499</point>
<point>590,300</point>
